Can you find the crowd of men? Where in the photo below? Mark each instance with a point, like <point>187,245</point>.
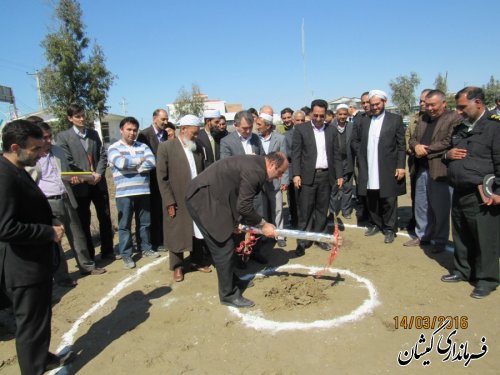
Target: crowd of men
<point>186,188</point>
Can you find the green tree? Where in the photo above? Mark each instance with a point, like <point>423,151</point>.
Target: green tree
<point>189,103</point>
<point>70,76</point>
<point>403,92</point>
<point>440,83</point>
<point>491,89</point>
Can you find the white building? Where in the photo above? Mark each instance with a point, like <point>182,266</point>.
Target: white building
<point>226,109</point>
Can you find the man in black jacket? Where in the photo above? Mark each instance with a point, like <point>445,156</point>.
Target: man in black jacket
<point>475,153</point>
<point>28,240</point>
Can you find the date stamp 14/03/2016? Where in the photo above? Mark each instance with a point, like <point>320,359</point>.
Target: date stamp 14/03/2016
<point>430,321</point>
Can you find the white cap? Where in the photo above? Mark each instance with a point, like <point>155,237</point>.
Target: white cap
<point>211,113</point>
<point>342,106</point>
<point>190,120</point>
<point>379,93</point>
<point>266,117</point>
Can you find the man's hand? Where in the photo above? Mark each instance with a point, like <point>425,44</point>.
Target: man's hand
<point>400,174</point>
<point>97,178</point>
<point>269,230</point>
<point>75,180</point>
<point>58,232</point>
<point>491,201</point>
<point>171,210</point>
<point>284,187</point>
<point>421,151</point>
<point>297,182</point>
<point>456,154</point>
<point>340,182</point>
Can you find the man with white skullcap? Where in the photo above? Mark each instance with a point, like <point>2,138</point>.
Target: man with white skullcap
<point>210,136</point>
<point>381,154</point>
<point>272,196</point>
<point>341,197</point>
<point>179,161</point>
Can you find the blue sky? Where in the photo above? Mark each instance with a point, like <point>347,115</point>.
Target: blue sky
<point>249,52</point>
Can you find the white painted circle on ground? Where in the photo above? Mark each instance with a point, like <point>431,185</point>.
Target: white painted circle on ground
<point>256,321</point>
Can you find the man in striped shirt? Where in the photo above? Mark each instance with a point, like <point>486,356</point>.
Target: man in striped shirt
<point>131,162</point>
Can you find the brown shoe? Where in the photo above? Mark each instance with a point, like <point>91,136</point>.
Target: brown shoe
<point>413,242</point>
<point>178,274</point>
<point>200,268</point>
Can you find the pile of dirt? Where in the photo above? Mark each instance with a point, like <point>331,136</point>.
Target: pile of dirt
<point>292,292</point>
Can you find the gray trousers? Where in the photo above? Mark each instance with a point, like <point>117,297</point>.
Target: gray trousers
<point>341,198</point>
<point>66,214</point>
<point>432,208</point>
<point>272,205</point>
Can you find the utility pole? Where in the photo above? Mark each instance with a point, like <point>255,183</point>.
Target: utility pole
<point>38,89</point>
<point>123,104</point>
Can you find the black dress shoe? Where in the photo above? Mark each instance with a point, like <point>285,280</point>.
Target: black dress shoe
<point>299,251</point>
<point>480,292</point>
<point>244,284</point>
<point>389,236</point>
<point>452,278</point>
<point>55,361</point>
<point>323,246</point>
<point>372,231</point>
<point>259,258</point>
<point>239,302</point>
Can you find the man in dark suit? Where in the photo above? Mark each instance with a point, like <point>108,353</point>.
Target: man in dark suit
<point>341,197</point>
<point>242,141</point>
<point>361,206</point>
<point>219,199</point>
<point>85,152</point>
<point>316,166</point>
<point>381,156</point>
<point>152,137</point>
<point>210,136</point>
<point>28,238</point>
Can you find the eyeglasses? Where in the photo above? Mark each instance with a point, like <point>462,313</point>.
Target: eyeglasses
<point>315,115</point>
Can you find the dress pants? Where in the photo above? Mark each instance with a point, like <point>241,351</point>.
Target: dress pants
<point>272,205</point>
<point>33,312</point>
<point>65,213</point>
<point>432,208</point>
<point>383,211</point>
<point>223,258</point>
<point>100,199</point>
<point>313,205</point>
<point>341,198</point>
<point>476,235</point>
<point>292,205</point>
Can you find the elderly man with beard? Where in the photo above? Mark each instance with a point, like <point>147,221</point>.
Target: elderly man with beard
<point>131,162</point>
<point>210,136</point>
<point>341,197</point>
<point>179,161</point>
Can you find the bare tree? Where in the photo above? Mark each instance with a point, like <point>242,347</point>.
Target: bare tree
<point>403,92</point>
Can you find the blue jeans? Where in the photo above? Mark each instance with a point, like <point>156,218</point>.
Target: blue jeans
<point>137,205</point>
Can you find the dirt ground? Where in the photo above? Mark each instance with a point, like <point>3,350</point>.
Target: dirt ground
<point>140,321</point>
